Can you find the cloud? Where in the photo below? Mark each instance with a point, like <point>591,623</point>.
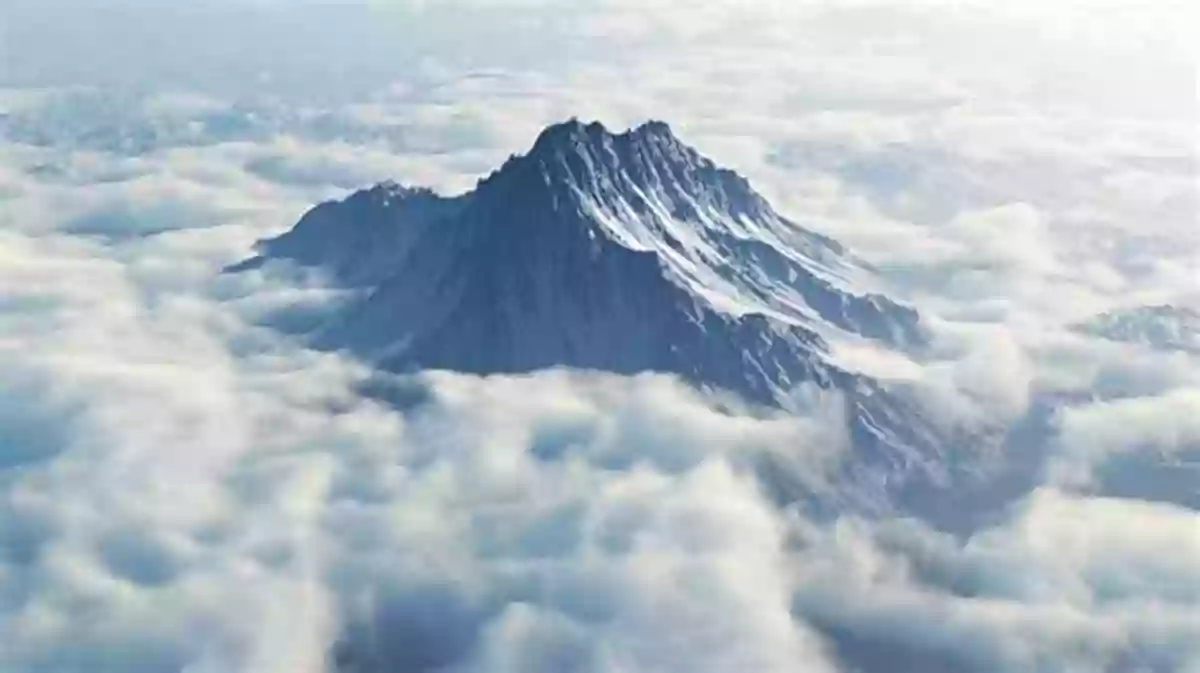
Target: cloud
<point>620,557</point>
<point>1065,584</point>
<point>230,502</point>
<point>183,487</point>
<point>1140,447</point>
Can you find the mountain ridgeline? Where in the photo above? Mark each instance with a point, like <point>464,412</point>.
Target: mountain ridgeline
<point>619,252</point>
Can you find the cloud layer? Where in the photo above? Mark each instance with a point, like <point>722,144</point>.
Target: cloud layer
<point>184,488</point>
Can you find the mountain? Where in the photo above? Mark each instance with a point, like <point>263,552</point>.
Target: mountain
<point>621,252</point>
<point>1162,327</point>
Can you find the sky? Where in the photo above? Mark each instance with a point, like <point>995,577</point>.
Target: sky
<point>184,488</point>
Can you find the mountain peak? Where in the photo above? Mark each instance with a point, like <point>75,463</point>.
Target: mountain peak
<point>703,228</point>
<point>654,129</point>
<point>625,253</point>
<point>578,202</point>
<point>574,133</point>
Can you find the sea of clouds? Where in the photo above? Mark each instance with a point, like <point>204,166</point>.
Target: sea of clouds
<point>185,488</point>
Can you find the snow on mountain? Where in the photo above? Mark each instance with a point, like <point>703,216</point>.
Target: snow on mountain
<point>1161,327</point>
<point>625,253</point>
